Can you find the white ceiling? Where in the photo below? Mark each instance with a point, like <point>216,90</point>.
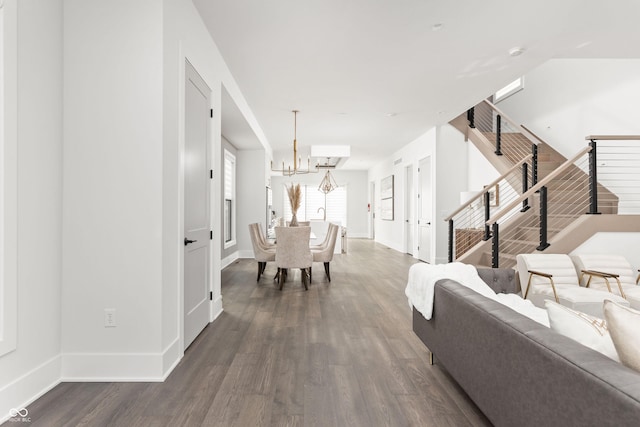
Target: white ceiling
<point>376,74</point>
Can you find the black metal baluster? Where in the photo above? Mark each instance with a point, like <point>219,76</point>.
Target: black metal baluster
<point>534,165</point>
<point>544,244</point>
<point>450,240</point>
<point>593,180</point>
<point>525,187</point>
<point>498,134</point>
<point>471,113</point>
<point>495,247</point>
<point>487,212</point>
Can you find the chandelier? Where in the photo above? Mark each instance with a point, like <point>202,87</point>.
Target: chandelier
<point>328,184</point>
<point>297,162</point>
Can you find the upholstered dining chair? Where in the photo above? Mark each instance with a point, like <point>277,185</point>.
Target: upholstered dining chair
<point>609,272</point>
<point>292,251</point>
<point>327,237</point>
<point>553,276</point>
<point>325,254</point>
<point>261,253</point>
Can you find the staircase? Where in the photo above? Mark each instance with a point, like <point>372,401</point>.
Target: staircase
<point>567,193</point>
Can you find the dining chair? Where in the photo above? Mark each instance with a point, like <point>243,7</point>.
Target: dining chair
<point>327,237</point>
<point>292,251</point>
<point>261,253</point>
<point>325,254</point>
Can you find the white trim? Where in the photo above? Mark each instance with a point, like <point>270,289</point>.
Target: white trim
<point>29,387</point>
<point>216,308</point>
<point>228,260</point>
<point>230,193</point>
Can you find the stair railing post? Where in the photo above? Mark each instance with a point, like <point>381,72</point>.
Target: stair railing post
<point>487,214</point>
<point>544,244</point>
<point>525,187</point>
<point>593,180</point>
<point>471,113</point>
<point>495,247</point>
<point>534,164</point>
<point>451,240</point>
<point>498,134</point>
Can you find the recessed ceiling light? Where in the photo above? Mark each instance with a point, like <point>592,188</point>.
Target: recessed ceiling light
<point>436,27</point>
<point>581,45</point>
<point>516,51</point>
<point>390,114</point>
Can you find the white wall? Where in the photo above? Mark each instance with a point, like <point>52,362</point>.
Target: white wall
<point>392,233</point>
<point>452,177</point>
<point>565,100</point>
<point>252,197</point>
<point>357,189</point>
<point>34,366</point>
<point>112,252</point>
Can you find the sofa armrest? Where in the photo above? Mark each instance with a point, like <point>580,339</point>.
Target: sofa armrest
<point>501,280</point>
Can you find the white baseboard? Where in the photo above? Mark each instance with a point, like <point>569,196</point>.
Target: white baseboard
<point>226,261</point>
<point>120,367</point>
<point>29,387</point>
<point>216,308</point>
<point>171,356</point>
<point>245,254</point>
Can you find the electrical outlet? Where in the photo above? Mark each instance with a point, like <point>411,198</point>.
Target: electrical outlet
<point>109,317</point>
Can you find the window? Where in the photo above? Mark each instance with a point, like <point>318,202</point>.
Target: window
<point>8,176</point>
<point>513,87</point>
<point>229,199</point>
<point>313,200</point>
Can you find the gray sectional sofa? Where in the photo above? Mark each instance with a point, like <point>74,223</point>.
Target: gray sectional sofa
<point>518,372</point>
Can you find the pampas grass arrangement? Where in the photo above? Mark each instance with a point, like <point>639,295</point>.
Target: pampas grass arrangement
<point>295,198</point>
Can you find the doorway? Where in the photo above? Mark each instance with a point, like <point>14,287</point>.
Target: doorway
<point>425,197</point>
<point>197,153</point>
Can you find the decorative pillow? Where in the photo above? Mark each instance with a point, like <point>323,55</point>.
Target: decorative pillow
<point>624,326</point>
<point>587,330</point>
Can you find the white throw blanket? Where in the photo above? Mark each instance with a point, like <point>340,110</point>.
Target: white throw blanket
<point>423,277</point>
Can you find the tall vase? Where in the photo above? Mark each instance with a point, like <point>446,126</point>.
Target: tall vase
<point>294,220</point>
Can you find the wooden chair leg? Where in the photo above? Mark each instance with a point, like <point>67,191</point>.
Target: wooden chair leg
<point>259,271</point>
<point>303,271</point>
<point>326,270</point>
<point>281,277</point>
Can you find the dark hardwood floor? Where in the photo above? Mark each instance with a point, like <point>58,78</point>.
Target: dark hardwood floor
<point>342,353</point>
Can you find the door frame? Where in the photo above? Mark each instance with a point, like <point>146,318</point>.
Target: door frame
<point>410,210</point>
<point>427,159</point>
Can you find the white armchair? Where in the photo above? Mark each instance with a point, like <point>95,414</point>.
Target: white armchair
<point>608,272</point>
<point>553,276</point>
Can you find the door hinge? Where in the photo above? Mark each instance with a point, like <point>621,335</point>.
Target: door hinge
<point>210,173</point>
<point>418,247</point>
<point>210,295</point>
<point>212,113</point>
<point>211,235</point>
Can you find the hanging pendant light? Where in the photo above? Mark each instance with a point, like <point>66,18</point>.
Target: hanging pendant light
<point>328,184</point>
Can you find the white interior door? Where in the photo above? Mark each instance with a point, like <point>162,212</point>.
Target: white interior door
<point>425,196</point>
<point>372,211</point>
<point>196,205</point>
<point>409,210</point>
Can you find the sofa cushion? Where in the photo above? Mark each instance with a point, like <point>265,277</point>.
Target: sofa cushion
<point>624,326</point>
<point>589,331</point>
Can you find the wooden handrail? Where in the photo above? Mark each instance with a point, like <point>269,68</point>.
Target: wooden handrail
<point>494,182</point>
<point>613,137</point>
<point>525,132</point>
<point>533,134</point>
<point>536,187</point>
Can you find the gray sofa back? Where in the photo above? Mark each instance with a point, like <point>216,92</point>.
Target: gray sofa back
<point>521,373</point>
